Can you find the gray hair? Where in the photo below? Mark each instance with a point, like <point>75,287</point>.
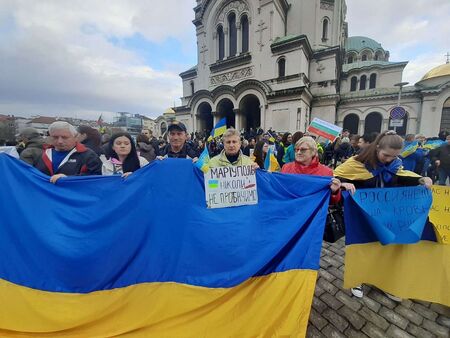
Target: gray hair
<point>231,132</point>
<point>309,141</point>
<point>62,125</point>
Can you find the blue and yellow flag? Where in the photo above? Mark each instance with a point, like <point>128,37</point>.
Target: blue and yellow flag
<point>409,148</point>
<point>203,160</point>
<point>391,245</point>
<point>103,256</point>
<point>219,128</point>
<point>433,144</point>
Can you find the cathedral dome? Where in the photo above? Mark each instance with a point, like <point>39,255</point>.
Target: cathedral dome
<point>359,43</point>
<point>442,70</point>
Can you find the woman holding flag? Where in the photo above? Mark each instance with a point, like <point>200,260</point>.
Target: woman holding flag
<point>264,157</point>
<point>379,166</point>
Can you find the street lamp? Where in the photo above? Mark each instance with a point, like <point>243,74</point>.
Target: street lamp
<point>401,85</point>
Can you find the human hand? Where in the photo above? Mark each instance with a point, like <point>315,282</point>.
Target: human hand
<point>160,158</point>
<point>335,185</point>
<point>255,166</point>
<point>125,175</point>
<point>438,163</point>
<point>56,177</point>
<point>426,181</point>
<point>350,187</point>
<point>195,159</point>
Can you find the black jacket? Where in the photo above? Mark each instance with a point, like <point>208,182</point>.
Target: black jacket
<point>186,152</point>
<point>81,161</point>
<point>443,154</point>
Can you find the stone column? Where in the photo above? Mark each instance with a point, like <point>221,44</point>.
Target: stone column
<point>237,119</point>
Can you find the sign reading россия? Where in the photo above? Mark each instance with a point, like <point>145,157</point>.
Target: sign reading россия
<point>230,186</point>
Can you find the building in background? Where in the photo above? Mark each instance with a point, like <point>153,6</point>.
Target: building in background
<point>279,63</point>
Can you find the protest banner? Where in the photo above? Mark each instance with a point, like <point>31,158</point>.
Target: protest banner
<point>440,213</point>
<point>143,257</point>
<point>230,187</point>
<point>387,248</point>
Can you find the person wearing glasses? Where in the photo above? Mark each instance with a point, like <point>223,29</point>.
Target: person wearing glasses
<point>379,166</point>
<point>307,162</point>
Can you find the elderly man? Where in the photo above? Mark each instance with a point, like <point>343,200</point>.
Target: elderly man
<point>67,157</point>
<point>231,155</point>
<point>177,147</point>
<point>34,143</point>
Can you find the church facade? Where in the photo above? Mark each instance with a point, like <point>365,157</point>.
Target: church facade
<point>279,63</point>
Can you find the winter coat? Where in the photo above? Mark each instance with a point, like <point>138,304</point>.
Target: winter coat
<point>33,151</point>
<point>146,151</point>
<point>79,161</point>
<point>221,160</point>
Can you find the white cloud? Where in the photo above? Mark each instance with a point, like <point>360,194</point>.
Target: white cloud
<point>415,31</point>
<point>59,59</point>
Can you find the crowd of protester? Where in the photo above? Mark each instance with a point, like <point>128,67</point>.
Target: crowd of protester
<point>353,161</point>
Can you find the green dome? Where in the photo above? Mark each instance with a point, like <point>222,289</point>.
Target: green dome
<point>358,43</point>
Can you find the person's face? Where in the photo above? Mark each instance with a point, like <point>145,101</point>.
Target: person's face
<point>265,148</point>
<point>345,134</point>
<point>354,143</point>
<point>232,145</point>
<point>63,140</point>
<point>289,139</point>
<point>303,154</point>
<point>146,132</point>
<point>122,146</point>
<point>362,144</point>
<point>388,155</point>
<point>177,138</point>
<point>252,142</point>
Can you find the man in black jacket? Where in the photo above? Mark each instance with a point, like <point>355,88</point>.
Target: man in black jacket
<point>178,147</point>
<point>67,157</point>
<point>442,160</point>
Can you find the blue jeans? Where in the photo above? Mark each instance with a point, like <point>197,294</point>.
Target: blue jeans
<point>443,175</point>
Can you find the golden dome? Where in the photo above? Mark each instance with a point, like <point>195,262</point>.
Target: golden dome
<point>442,70</point>
<point>169,111</point>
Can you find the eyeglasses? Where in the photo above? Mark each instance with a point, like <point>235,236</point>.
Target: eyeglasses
<point>301,150</point>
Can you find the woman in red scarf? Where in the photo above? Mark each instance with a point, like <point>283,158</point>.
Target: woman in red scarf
<point>307,163</point>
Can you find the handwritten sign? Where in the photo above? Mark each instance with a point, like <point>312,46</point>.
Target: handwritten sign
<point>230,187</point>
<point>440,213</point>
<point>396,215</point>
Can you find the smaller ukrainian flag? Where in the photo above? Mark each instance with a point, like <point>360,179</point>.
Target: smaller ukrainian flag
<point>213,184</point>
<point>203,160</point>
<point>219,128</point>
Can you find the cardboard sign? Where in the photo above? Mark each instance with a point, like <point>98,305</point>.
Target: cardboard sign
<point>396,215</point>
<point>230,187</point>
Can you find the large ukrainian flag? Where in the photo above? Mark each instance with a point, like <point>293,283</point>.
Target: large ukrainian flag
<point>419,270</point>
<point>103,256</point>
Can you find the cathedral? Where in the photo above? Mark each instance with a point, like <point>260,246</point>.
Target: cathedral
<point>280,63</point>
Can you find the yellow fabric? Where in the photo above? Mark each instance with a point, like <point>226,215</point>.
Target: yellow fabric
<point>269,306</point>
<point>440,213</point>
<point>356,171</point>
<point>352,170</point>
<point>417,271</point>
<point>274,165</point>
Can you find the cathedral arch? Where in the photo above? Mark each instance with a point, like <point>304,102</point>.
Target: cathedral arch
<point>232,33</point>
<point>226,108</point>
<point>362,82</point>
<point>351,122</point>
<point>281,63</point>
<point>325,26</point>
<point>245,29</point>
<point>353,83</point>
<point>373,123</point>
<point>204,117</point>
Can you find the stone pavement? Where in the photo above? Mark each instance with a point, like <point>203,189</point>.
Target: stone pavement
<point>336,313</point>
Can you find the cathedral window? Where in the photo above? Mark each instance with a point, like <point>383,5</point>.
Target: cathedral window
<point>353,84</point>
<point>192,87</point>
<point>350,59</point>
<point>372,81</point>
<point>245,34</point>
<point>282,67</point>
<point>362,82</point>
<point>233,33</point>
<point>364,57</point>
<point>221,42</point>
<point>325,29</point>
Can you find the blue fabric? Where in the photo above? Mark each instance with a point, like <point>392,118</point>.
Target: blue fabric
<point>102,232</point>
<point>388,215</point>
<point>267,159</point>
<point>57,158</point>
<point>386,172</point>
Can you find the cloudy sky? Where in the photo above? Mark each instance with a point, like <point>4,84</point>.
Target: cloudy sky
<point>86,58</point>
